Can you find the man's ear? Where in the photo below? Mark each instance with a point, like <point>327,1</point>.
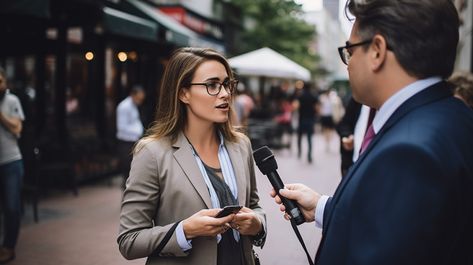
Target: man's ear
<point>184,95</point>
<point>378,52</point>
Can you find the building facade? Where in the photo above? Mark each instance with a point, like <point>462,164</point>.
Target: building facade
<point>73,61</point>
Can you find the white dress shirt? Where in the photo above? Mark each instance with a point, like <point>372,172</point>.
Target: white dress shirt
<point>360,130</point>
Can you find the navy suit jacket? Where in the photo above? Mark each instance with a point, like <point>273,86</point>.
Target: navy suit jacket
<point>409,197</point>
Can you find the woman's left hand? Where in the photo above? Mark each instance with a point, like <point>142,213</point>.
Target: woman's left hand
<point>246,222</point>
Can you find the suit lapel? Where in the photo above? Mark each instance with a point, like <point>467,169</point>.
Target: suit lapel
<point>236,158</point>
<point>186,160</point>
<point>430,94</point>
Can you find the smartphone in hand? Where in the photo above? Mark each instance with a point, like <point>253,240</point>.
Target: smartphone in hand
<point>228,210</point>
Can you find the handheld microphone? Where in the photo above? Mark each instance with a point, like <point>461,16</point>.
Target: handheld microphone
<point>266,163</point>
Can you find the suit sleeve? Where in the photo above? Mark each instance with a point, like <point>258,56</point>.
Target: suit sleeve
<point>138,237</point>
<point>404,199</point>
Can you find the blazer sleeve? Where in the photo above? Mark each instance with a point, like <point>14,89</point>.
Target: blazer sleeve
<point>138,237</point>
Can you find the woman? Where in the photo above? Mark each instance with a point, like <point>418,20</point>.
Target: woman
<point>190,165</point>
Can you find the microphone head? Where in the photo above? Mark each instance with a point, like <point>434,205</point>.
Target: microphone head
<point>265,160</point>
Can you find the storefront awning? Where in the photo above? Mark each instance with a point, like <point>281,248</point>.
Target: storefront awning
<point>124,24</point>
<point>269,63</point>
<point>175,32</point>
<point>35,8</point>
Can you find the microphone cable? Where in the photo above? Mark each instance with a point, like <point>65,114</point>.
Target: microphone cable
<point>301,240</point>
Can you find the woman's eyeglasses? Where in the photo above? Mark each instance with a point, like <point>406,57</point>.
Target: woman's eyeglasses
<point>214,87</point>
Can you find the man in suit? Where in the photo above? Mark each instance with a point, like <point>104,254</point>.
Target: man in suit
<point>408,198</point>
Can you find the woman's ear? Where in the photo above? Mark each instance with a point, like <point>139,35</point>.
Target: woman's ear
<point>184,95</point>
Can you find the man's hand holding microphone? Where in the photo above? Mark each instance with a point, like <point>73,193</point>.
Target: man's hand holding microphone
<point>305,197</point>
<point>296,200</point>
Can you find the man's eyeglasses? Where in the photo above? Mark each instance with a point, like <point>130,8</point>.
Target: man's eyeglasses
<point>214,87</point>
<point>345,52</point>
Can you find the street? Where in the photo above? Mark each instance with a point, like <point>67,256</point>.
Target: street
<point>82,230</point>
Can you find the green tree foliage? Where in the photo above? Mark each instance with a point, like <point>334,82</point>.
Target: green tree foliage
<point>277,24</point>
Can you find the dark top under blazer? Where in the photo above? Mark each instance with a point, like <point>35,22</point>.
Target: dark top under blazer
<point>409,197</point>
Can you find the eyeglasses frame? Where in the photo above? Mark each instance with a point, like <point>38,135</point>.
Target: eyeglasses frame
<point>230,91</point>
<point>348,46</point>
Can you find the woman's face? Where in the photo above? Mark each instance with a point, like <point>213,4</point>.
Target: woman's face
<point>201,106</point>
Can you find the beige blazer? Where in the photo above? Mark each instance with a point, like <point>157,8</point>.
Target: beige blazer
<point>165,186</point>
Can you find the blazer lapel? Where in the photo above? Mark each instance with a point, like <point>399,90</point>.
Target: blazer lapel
<point>186,160</point>
<point>430,94</point>
<point>238,165</point>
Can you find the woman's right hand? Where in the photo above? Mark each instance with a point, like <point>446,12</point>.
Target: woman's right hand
<point>204,223</point>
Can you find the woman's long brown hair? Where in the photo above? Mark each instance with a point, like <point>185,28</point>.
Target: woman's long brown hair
<point>171,114</point>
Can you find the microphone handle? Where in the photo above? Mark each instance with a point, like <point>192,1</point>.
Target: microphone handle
<point>291,206</point>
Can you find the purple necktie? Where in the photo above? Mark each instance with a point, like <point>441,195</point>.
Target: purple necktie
<point>369,134</point>
<point>368,137</point>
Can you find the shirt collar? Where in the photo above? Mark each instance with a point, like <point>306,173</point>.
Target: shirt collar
<point>222,140</point>
<point>401,96</point>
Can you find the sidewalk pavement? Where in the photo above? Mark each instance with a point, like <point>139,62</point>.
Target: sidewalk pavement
<point>74,230</point>
<point>82,229</point>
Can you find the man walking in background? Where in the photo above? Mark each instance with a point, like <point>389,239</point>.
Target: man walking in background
<point>129,127</point>
<point>307,104</point>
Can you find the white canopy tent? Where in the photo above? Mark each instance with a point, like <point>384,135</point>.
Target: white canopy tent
<point>268,63</point>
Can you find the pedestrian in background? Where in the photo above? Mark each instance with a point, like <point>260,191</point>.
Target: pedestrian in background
<point>307,105</point>
<point>190,164</point>
<point>244,104</point>
<point>11,168</point>
<point>129,128</point>
<point>283,119</point>
<point>408,198</point>
<point>346,130</point>
<point>352,129</point>
<point>463,86</point>
<point>326,117</point>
